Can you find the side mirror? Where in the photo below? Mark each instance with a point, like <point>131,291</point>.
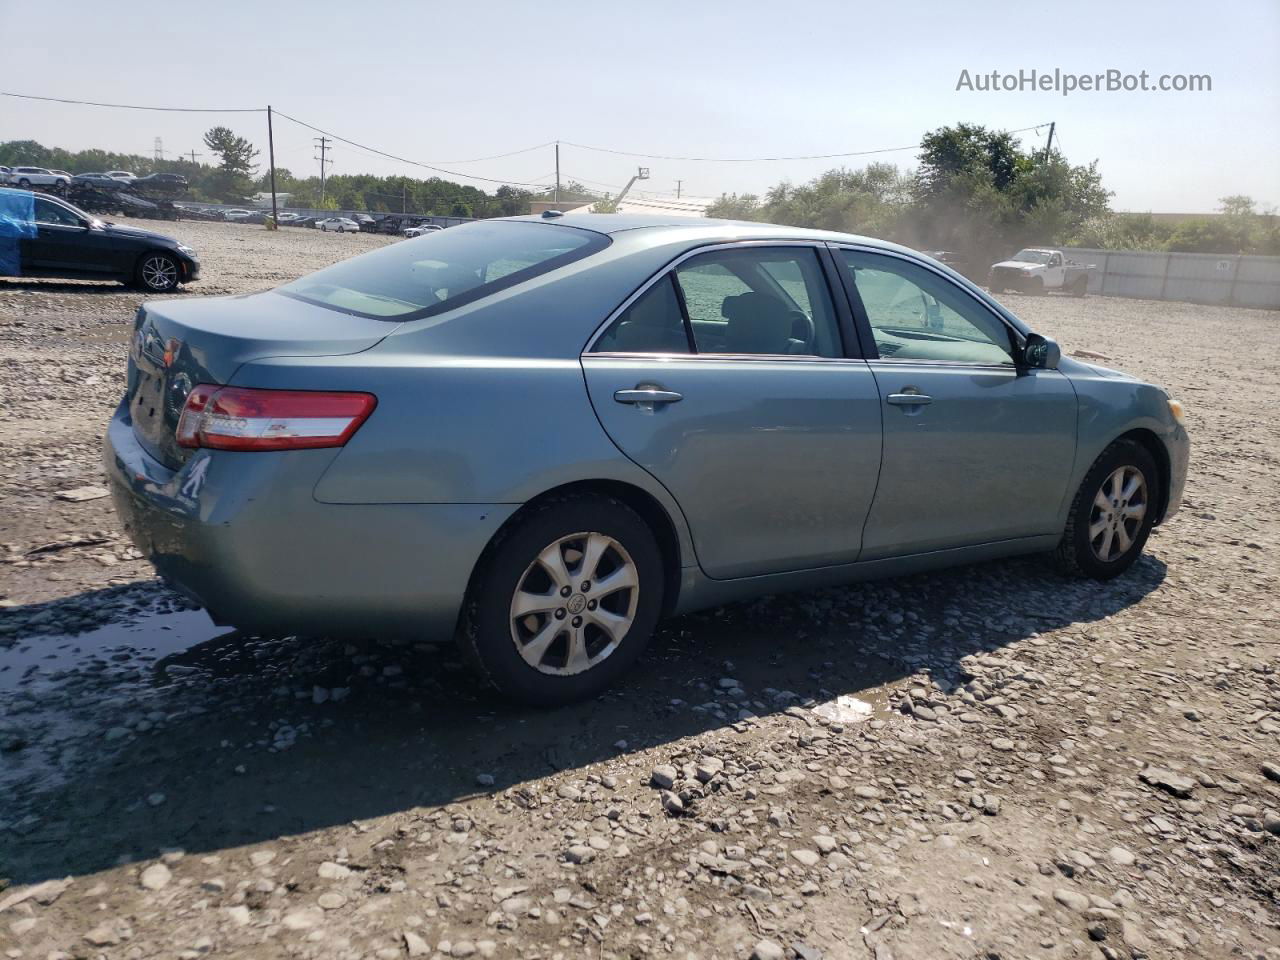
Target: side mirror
<point>1041,353</point>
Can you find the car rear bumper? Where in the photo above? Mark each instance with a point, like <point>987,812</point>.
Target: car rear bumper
<point>241,534</point>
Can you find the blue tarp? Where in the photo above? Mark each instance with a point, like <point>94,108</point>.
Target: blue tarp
<point>17,223</point>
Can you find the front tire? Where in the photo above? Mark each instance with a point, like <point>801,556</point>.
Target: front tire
<point>159,273</point>
<point>1112,513</point>
<point>563,602</point>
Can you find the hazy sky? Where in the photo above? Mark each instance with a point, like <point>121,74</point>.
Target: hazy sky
<point>447,82</point>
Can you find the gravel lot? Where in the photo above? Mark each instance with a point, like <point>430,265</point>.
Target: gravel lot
<point>989,762</point>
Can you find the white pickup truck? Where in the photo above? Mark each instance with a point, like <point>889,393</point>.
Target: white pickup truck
<point>1036,270</point>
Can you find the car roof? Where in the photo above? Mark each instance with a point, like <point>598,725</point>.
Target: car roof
<point>702,230</point>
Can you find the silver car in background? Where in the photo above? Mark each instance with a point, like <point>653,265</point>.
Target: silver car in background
<point>540,435</point>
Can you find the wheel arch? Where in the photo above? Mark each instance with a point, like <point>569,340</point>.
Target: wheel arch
<point>1149,441</point>
<point>649,509</point>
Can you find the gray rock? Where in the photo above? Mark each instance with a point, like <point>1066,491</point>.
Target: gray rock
<point>414,945</point>
<point>1271,771</point>
<point>155,877</point>
<point>1121,857</point>
<point>664,777</point>
<point>1167,780</point>
<point>807,857</point>
<point>579,853</point>
<point>824,843</point>
<point>1071,899</point>
<point>108,933</point>
<point>767,950</point>
<point>708,768</point>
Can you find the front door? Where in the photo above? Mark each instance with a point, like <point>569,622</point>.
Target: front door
<point>976,449</point>
<point>64,243</point>
<point>726,380</point>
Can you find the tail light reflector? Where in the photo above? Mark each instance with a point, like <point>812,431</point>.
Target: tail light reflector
<point>243,418</point>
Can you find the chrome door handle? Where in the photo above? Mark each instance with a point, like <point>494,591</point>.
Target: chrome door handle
<point>647,396</point>
<point>908,399</point>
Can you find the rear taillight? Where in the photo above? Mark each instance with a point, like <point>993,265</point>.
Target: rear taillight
<point>241,418</point>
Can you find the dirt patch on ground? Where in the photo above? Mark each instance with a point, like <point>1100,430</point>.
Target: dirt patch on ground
<point>1034,768</point>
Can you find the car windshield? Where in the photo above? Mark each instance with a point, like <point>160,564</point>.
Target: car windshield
<point>1032,256</point>
<point>443,269</point>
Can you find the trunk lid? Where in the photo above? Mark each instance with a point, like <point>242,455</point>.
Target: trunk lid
<point>179,344</point>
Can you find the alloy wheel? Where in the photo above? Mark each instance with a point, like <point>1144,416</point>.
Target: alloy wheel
<point>1119,507</point>
<point>574,603</point>
<point>159,273</point>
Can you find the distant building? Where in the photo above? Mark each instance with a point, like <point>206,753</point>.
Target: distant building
<point>658,206</point>
<point>264,200</point>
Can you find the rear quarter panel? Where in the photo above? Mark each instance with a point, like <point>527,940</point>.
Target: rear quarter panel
<point>462,430</point>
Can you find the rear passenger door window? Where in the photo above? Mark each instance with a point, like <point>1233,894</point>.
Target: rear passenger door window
<point>653,323</point>
<point>770,301</point>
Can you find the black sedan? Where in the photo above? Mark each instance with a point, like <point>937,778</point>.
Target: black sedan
<point>72,244</point>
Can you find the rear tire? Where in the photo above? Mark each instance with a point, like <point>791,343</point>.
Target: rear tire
<point>1080,287</point>
<point>1112,514</point>
<point>565,646</point>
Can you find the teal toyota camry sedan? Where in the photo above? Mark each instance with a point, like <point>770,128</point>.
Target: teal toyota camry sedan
<point>540,435</point>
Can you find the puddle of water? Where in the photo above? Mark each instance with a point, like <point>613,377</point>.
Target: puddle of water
<point>151,637</point>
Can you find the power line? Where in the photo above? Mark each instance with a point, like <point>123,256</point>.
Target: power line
<point>811,156</point>
<point>500,156</point>
<point>392,156</point>
<point>132,106</point>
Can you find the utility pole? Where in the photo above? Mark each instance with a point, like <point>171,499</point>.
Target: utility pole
<point>678,185</point>
<point>404,196</point>
<point>193,157</point>
<point>159,146</point>
<point>557,196</point>
<point>323,144</point>
<point>271,156</point>
<point>1049,143</point>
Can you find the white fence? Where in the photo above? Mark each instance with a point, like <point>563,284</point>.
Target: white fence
<point>1238,281</point>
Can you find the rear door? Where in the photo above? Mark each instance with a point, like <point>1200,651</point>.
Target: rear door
<point>727,379</point>
<point>976,448</point>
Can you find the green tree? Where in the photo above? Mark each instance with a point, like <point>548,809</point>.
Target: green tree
<point>732,206</point>
<point>236,153</point>
<point>605,204</point>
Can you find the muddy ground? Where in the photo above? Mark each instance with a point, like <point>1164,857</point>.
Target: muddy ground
<point>1022,766</point>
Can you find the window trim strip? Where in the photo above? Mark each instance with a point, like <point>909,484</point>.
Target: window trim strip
<point>669,269</point>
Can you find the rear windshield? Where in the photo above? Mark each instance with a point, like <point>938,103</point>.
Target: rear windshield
<point>444,269</point>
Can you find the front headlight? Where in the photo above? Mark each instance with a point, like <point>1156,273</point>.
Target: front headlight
<point>1177,410</point>
<point>183,248</point>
